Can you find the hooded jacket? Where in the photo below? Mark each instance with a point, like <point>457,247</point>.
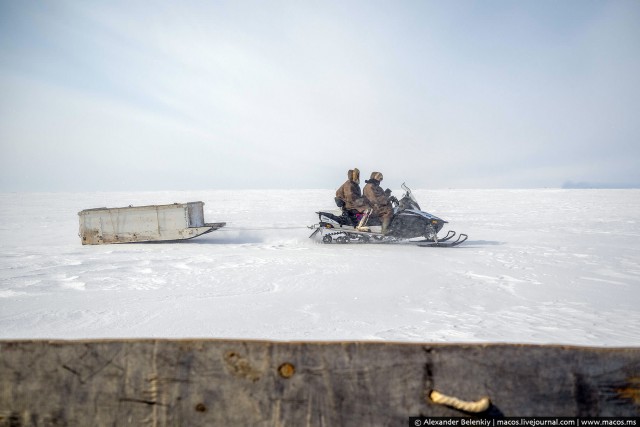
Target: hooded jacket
<point>374,194</point>
<point>350,192</point>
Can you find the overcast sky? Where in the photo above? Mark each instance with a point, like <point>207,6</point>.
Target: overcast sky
<point>165,95</point>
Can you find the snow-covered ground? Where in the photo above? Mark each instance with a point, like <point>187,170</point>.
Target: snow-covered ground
<point>540,266</point>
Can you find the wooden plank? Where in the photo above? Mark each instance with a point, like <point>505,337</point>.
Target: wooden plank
<point>227,382</point>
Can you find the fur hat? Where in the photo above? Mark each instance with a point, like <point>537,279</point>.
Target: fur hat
<point>376,175</point>
<point>355,175</point>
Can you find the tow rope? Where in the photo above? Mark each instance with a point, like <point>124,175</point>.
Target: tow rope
<point>461,405</point>
<point>261,228</point>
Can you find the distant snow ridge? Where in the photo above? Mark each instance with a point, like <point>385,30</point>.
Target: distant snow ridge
<point>594,185</point>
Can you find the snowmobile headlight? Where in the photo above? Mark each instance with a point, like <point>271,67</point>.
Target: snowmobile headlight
<point>434,221</point>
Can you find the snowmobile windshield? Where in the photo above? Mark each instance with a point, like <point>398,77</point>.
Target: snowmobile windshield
<point>410,195</point>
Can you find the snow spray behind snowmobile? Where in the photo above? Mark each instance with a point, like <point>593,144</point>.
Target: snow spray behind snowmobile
<point>409,223</point>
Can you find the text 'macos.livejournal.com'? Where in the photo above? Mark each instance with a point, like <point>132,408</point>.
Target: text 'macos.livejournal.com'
<point>525,422</point>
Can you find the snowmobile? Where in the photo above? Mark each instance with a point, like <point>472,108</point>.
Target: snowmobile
<point>408,224</point>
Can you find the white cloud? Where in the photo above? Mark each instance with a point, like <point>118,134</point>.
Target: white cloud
<point>438,95</point>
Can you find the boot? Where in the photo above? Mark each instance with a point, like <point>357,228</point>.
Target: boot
<point>385,224</point>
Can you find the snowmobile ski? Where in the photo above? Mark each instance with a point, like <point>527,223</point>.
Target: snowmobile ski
<point>449,236</point>
<point>440,244</point>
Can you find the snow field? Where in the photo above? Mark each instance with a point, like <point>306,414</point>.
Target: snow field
<point>540,266</point>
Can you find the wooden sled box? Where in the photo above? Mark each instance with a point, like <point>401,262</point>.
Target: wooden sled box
<point>178,221</point>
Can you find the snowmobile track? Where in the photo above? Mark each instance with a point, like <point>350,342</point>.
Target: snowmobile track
<point>341,236</point>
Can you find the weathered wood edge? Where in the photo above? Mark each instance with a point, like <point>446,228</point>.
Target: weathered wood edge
<point>320,342</point>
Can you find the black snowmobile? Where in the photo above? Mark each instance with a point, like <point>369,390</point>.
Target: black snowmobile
<point>409,223</point>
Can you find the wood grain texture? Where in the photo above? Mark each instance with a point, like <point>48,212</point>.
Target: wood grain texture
<point>227,382</point>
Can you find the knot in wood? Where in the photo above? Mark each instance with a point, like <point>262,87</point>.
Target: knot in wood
<point>286,370</point>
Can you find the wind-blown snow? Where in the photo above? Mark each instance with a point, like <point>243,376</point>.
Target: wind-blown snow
<point>540,266</point>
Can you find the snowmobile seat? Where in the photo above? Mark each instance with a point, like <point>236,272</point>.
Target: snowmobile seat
<point>351,217</point>
<point>346,218</point>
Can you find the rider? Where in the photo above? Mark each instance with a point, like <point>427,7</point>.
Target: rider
<point>379,200</point>
<point>351,196</point>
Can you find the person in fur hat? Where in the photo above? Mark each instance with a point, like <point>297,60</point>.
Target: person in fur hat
<point>350,193</point>
<point>378,199</point>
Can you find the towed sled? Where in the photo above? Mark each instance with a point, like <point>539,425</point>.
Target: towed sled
<point>154,223</point>
<point>409,224</point>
